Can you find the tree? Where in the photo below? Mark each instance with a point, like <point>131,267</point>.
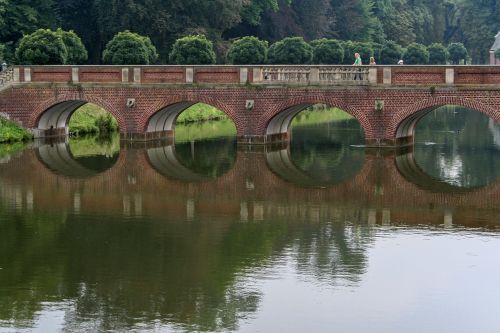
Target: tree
<point>2,50</point>
<point>248,50</point>
<point>457,52</point>
<point>290,51</point>
<point>391,53</point>
<point>129,48</point>
<point>192,50</point>
<point>416,54</point>
<point>327,51</point>
<point>365,50</point>
<point>354,19</point>
<point>497,54</point>
<point>438,54</point>
<point>77,53</point>
<point>42,47</point>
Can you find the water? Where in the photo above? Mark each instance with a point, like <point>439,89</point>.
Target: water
<point>204,236</point>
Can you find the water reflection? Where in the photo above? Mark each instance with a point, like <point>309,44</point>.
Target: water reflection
<point>239,244</point>
<point>194,161</point>
<point>459,147</point>
<point>82,157</point>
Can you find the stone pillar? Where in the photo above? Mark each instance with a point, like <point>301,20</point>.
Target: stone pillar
<point>137,75</point>
<point>243,75</point>
<point>372,75</point>
<point>75,75</point>
<point>257,75</point>
<point>16,74</point>
<point>314,76</point>
<point>124,75</point>
<point>387,75</point>
<point>189,75</point>
<point>27,74</point>
<point>493,61</point>
<point>450,76</point>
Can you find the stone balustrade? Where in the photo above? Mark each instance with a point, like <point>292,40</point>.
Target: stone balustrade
<point>261,75</point>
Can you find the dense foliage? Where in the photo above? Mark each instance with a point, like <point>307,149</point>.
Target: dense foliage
<point>457,52</point>
<point>327,51</point>
<point>416,54</point>
<point>196,49</point>
<point>365,50</point>
<point>10,132</point>
<point>248,50</point>
<point>42,47</point>
<point>438,54</point>
<point>391,53</point>
<point>77,53</point>
<point>471,22</point>
<point>291,50</point>
<point>129,48</point>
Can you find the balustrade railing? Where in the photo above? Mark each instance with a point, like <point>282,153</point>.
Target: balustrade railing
<point>6,76</point>
<point>315,74</point>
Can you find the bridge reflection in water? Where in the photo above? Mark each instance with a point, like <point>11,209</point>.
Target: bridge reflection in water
<point>255,185</point>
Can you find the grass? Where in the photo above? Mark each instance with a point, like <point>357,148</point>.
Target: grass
<point>91,119</point>
<point>320,114</point>
<point>200,112</point>
<point>11,132</point>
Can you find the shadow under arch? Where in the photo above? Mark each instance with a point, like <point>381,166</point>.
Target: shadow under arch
<point>281,163</point>
<point>164,115</point>
<point>279,124</point>
<point>406,121</point>
<point>408,167</point>
<point>52,117</point>
<point>166,161</point>
<point>59,158</point>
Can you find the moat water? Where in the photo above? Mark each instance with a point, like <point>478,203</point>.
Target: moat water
<point>319,235</point>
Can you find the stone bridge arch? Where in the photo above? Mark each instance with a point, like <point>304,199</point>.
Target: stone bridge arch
<point>402,126</point>
<point>53,114</point>
<point>275,123</point>
<point>159,119</point>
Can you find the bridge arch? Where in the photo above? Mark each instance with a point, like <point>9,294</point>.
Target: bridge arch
<point>277,121</point>
<point>59,158</point>
<point>56,112</point>
<point>402,127</point>
<point>163,115</point>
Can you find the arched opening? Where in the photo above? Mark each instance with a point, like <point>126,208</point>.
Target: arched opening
<point>170,120</point>
<point>326,145</point>
<point>75,117</point>
<point>82,157</point>
<point>454,148</point>
<point>202,145</point>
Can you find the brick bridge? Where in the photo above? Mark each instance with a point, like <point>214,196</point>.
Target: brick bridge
<point>261,100</point>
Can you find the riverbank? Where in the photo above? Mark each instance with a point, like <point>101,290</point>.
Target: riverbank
<point>11,132</point>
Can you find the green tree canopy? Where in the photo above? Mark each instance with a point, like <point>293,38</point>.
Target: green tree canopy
<point>438,54</point>
<point>192,50</point>
<point>129,48</point>
<point>2,50</point>
<point>248,50</point>
<point>77,53</point>
<point>497,54</point>
<point>290,50</point>
<point>457,52</point>
<point>391,53</point>
<point>416,54</point>
<point>364,49</point>
<point>327,51</point>
<point>42,47</point>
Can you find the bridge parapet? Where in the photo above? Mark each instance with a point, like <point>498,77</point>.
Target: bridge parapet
<point>263,75</point>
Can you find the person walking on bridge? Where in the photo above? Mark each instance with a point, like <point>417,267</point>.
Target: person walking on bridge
<point>357,62</point>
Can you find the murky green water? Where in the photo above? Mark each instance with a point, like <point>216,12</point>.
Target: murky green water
<point>319,236</point>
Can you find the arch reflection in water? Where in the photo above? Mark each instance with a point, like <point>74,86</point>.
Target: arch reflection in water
<point>80,158</point>
<point>321,153</point>
<point>456,146</point>
<point>194,161</point>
